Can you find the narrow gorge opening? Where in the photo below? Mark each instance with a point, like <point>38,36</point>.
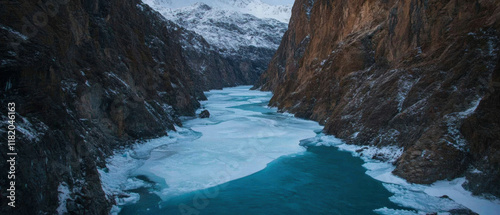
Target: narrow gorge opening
<point>250,107</point>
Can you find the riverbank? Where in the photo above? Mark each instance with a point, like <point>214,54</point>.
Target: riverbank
<point>247,158</point>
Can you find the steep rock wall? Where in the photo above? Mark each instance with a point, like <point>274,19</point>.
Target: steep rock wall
<point>414,74</point>
<point>87,77</point>
<point>212,70</point>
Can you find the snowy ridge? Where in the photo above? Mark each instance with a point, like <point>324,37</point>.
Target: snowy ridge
<point>256,8</point>
<point>224,25</point>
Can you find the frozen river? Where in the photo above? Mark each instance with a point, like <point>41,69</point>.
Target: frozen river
<point>249,159</point>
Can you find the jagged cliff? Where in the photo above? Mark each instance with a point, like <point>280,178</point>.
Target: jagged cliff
<point>88,77</point>
<point>420,75</point>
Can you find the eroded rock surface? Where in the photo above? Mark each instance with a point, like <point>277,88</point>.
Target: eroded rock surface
<point>415,74</point>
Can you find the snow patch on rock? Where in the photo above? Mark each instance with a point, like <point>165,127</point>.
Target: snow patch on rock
<point>64,195</point>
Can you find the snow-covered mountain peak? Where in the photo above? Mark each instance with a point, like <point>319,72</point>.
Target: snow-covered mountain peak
<point>229,30</point>
<point>258,8</point>
<point>202,6</point>
<point>245,33</point>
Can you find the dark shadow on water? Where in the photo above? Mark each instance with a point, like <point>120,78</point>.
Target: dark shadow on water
<point>322,180</point>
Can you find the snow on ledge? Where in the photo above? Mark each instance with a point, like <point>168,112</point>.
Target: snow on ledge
<point>64,195</point>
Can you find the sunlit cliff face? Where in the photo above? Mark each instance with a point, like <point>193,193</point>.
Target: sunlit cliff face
<point>398,73</point>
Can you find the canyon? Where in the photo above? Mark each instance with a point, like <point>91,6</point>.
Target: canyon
<point>418,75</point>
<point>411,83</point>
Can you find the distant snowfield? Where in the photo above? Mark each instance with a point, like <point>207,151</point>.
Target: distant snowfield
<point>279,10</point>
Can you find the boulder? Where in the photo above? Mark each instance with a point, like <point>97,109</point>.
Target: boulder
<point>204,114</point>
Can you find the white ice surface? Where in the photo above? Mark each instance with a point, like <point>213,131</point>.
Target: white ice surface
<point>234,143</point>
<point>231,144</point>
<point>385,210</point>
<point>455,191</point>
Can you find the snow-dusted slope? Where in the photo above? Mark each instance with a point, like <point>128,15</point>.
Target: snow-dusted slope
<point>223,24</point>
<point>254,7</point>
<point>229,30</point>
<point>246,33</point>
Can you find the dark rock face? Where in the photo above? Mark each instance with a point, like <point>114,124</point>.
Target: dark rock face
<point>482,131</point>
<point>87,77</point>
<point>421,75</point>
<point>211,70</point>
<point>204,114</point>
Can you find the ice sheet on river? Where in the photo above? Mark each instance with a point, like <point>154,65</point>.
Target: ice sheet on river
<point>241,137</point>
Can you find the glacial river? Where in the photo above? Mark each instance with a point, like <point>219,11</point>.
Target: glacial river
<point>249,159</point>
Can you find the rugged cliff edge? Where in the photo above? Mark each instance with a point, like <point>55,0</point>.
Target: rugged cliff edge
<point>420,75</point>
<point>88,77</point>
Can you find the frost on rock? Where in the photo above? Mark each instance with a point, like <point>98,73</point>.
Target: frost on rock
<point>309,8</point>
<point>31,130</point>
<point>151,111</point>
<point>68,193</point>
<point>387,153</point>
<point>64,195</point>
<point>14,32</point>
<point>69,86</point>
<point>113,75</point>
<point>140,7</point>
<point>453,122</point>
<point>405,84</point>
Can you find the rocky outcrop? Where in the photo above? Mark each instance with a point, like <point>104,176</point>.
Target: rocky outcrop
<point>87,77</point>
<point>204,114</point>
<point>420,75</point>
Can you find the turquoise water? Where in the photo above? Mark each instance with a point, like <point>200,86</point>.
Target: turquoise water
<point>322,180</point>
<point>246,159</point>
